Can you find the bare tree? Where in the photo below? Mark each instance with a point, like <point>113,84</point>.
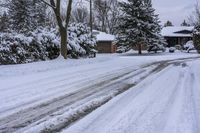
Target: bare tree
<point>62,21</point>
<point>106,14</point>
<point>91,19</point>
<point>80,15</point>
<point>194,19</point>
<point>81,2</point>
<point>102,9</point>
<point>112,17</point>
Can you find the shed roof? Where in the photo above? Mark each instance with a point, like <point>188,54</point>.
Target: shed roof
<point>174,31</point>
<point>102,36</point>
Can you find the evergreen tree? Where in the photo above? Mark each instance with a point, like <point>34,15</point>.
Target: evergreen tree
<point>185,23</point>
<point>155,37</point>
<point>132,26</point>
<point>39,13</point>
<point>196,37</point>
<point>168,23</point>
<point>20,15</point>
<point>152,23</point>
<point>138,25</point>
<point>4,22</point>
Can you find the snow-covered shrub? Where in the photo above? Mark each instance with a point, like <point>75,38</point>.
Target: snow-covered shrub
<point>80,41</point>
<point>44,44</point>
<point>122,49</point>
<point>172,49</point>
<point>17,48</point>
<point>156,48</point>
<point>196,36</point>
<point>12,48</point>
<point>48,41</point>
<point>189,46</point>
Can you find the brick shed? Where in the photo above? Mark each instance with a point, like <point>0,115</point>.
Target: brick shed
<point>106,43</point>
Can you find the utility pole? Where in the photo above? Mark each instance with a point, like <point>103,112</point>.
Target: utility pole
<point>91,25</point>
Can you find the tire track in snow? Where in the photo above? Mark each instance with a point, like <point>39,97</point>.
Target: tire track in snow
<point>195,100</point>
<point>31,115</point>
<point>159,114</point>
<point>164,115</point>
<point>138,92</point>
<point>61,87</point>
<point>50,110</point>
<point>141,119</point>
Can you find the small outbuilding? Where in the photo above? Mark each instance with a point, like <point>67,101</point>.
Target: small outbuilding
<point>177,35</point>
<point>106,43</point>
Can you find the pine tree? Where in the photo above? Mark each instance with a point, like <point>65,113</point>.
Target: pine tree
<point>20,15</point>
<point>27,15</point>
<point>152,23</point>
<point>4,22</point>
<point>138,25</point>
<point>168,23</point>
<point>185,23</point>
<point>39,13</point>
<point>132,26</point>
<point>155,38</point>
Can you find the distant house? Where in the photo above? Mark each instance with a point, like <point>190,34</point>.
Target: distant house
<point>177,35</point>
<point>106,43</point>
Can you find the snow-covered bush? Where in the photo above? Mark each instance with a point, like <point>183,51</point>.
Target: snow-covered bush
<point>80,41</point>
<point>17,48</point>
<point>189,46</point>
<point>123,49</point>
<point>44,44</point>
<point>48,41</point>
<point>156,48</point>
<point>196,36</point>
<point>172,49</point>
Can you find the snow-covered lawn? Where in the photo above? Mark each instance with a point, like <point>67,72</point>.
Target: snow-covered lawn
<point>38,95</point>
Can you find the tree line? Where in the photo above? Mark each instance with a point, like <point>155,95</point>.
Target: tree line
<point>134,22</point>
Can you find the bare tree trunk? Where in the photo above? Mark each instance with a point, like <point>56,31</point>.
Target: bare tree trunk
<point>63,50</point>
<point>140,48</point>
<point>62,24</point>
<point>103,24</point>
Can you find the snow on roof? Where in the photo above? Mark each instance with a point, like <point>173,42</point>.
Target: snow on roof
<point>171,31</point>
<point>102,36</point>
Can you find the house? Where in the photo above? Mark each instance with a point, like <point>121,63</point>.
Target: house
<point>106,43</point>
<point>177,35</point>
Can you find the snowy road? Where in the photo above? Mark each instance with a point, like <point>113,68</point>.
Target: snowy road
<point>47,97</point>
<point>166,102</point>
<point>111,83</point>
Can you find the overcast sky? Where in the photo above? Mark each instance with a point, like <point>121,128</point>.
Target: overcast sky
<point>174,10</point>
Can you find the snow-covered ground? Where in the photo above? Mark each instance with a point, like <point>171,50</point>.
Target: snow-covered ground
<point>167,102</point>
<point>46,96</point>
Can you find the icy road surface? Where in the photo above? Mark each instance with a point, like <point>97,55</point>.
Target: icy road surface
<point>110,93</point>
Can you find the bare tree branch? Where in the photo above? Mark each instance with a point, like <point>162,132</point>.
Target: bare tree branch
<point>62,23</point>
<point>51,5</point>
<point>69,9</point>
